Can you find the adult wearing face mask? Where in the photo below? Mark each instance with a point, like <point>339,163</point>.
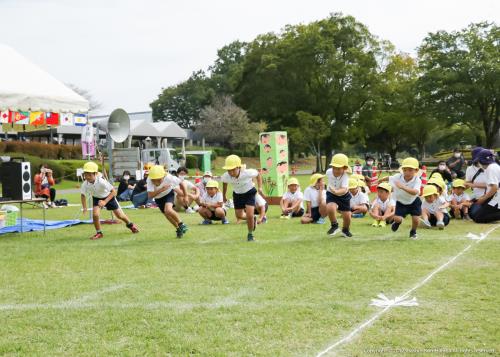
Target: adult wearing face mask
<point>490,201</point>
<point>368,169</point>
<point>443,170</point>
<point>207,176</point>
<point>456,163</point>
<point>126,187</point>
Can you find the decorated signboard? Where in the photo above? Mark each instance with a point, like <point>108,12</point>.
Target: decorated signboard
<point>274,162</point>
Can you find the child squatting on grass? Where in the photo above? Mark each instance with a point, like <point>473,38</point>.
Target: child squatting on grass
<point>434,208</point>
<point>359,202</point>
<point>212,204</point>
<point>338,196</point>
<point>244,191</point>
<point>315,198</point>
<point>291,202</point>
<point>383,207</point>
<point>459,200</point>
<point>406,186</point>
<point>103,195</point>
<point>160,186</point>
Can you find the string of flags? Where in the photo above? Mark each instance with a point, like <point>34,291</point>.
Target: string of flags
<point>38,118</point>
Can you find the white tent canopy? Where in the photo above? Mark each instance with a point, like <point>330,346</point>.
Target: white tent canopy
<point>26,87</point>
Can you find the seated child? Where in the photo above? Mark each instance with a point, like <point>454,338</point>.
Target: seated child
<point>193,193</point>
<point>460,201</point>
<point>315,198</point>
<point>211,204</point>
<point>383,207</point>
<point>434,208</point>
<point>291,202</point>
<point>359,200</point>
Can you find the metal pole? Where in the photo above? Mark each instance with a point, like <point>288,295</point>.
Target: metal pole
<point>110,157</point>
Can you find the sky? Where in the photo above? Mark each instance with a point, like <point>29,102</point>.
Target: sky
<point>124,52</point>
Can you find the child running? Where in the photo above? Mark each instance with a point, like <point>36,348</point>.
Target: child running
<point>315,198</point>
<point>383,206</point>
<point>291,202</point>
<point>212,204</point>
<point>406,186</point>
<point>338,196</point>
<point>244,191</point>
<point>103,195</point>
<point>161,186</point>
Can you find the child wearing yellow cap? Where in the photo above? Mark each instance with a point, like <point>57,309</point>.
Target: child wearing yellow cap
<point>244,191</point>
<point>338,196</point>
<point>103,195</point>
<point>459,200</point>
<point>292,201</point>
<point>315,198</point>
<point>360,203</point>
<point>212,204</point>
<point>406,186</point>
<point>434,208</point>
<point>383,207</point>
<point>161,187</point>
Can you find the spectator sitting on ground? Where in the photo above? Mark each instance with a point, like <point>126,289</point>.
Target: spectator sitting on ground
<point>126,187</point>
<point>445,172</point>
<point>43,182</point>
<point>456,163</point>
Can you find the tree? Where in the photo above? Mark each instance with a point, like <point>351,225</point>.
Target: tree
<point>94,105</point>
<point>183,103</point>
<point>225,73</point>
<point>226,123</point>
<point>461,77</point>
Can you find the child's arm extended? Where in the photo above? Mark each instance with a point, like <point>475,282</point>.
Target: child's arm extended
<point>105,201</point>
<point>259,185</point>
<point>224,191</point>
<point>157,191</point>
<point>84,203</point>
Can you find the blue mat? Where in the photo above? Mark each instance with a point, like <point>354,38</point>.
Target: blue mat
<point>31,225</point>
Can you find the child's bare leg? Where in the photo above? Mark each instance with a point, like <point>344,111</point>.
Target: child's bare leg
<point>96,211</point>
<point>121,216</point>
<point>414,222</point>
<point>171,215</point>
<point>398,219</point>
<point>425,214</point>
<point>465,210</point>
<point>375,213</point>
<point>219,213</point>
<point>323,211</point>
<point>262,214</point>
<point>240,215</point>
<point>439,215</point>
<point>346,219</point>
<point>203,212</point>
<point>249,210</point>
<point>306,219</point>
<point>332,212</point>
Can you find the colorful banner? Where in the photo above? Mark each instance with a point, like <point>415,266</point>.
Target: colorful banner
<point>274,162</point>
<point>5,117</point>
<point>37,118</point>
<point>66,119</point>
<point>80,119</point>
<point>52,118</point>
<point>20,118</point>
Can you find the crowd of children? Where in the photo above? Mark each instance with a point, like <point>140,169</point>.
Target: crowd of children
<point>338,193</point>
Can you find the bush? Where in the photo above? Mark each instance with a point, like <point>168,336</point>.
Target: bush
<point>45,151</point>
<point>58,170</point>
<point>191,162</point>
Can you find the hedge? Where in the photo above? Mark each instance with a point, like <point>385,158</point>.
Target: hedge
<point>44,151</point>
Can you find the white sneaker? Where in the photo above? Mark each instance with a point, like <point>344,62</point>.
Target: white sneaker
<point>190,210</point>
<point>440,224</point>
<point>196,208</point>
<point>425,223</point>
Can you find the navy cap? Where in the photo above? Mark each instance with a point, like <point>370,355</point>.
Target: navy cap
<point>475,152</point>
<point>486,157</point>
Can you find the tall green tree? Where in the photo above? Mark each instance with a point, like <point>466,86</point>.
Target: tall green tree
<point>461,77</point>
<point>225,73</point>
<point>183,103</point>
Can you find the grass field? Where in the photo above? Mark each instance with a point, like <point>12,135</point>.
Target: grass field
<point>293,292</point>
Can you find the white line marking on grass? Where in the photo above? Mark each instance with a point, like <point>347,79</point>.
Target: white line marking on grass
<point>404,296</point>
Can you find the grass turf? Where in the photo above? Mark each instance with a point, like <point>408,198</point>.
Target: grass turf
<point>293,292</point>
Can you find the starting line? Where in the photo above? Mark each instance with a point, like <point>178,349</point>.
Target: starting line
<point>406,295</point>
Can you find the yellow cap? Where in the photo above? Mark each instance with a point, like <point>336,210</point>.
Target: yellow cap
<point>437,181</point>
<point>340,160</point>
<point>90,167</point>
<point>232,162</point>
<point>429,190</point>
<point>458,183</point>
<point>212,184</point>
<point>293,181</point>
<point>157,172</point>
<point>361,182</point>
<point>437,175</point>
<point>358,176</point>
<point>410,162</point>
<point>314,179</point>
<point>353,183</point>
<point>385,185</point>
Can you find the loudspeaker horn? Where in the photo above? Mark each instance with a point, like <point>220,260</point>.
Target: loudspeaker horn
<point>117,125</point>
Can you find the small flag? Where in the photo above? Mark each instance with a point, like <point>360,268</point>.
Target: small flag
<point>80,119</point>
<point>5,117</point>
<point>37,118</point>
<point>52,118</point>
<point>21,118</point>
<point>66,119</point>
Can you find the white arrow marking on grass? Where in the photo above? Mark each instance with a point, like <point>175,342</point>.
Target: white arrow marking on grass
<point>384,301</point>
<point>406,295</point>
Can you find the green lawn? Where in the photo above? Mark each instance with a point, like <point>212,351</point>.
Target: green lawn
<point>294,291</point>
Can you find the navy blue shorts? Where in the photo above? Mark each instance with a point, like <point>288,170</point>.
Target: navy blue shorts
<point>343,202</point>
<point>110,206</point>
<point>241,200</point>
<point>213,217</point>
<point>162,201</point>
<point>413,209</point>
<point>433,219</point>
<point>299,213</point>
<point>315,215</point>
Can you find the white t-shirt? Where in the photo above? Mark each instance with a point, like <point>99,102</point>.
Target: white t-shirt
<point>359,199</point>
<point>243,183</point>
<point>383,205</point>
<point>311,194</point>
<point>294,197</point>
<point>481,178</point>
<point>337,182</point>
<point>434,206</point>
<point>403,196</point>
<point>101,188</point>
<point>259,200</point>
<point>167,180</point>
<point>492,174</point>
<point>463,197</point>
<point>212,200</point>
<point>202,188</point>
